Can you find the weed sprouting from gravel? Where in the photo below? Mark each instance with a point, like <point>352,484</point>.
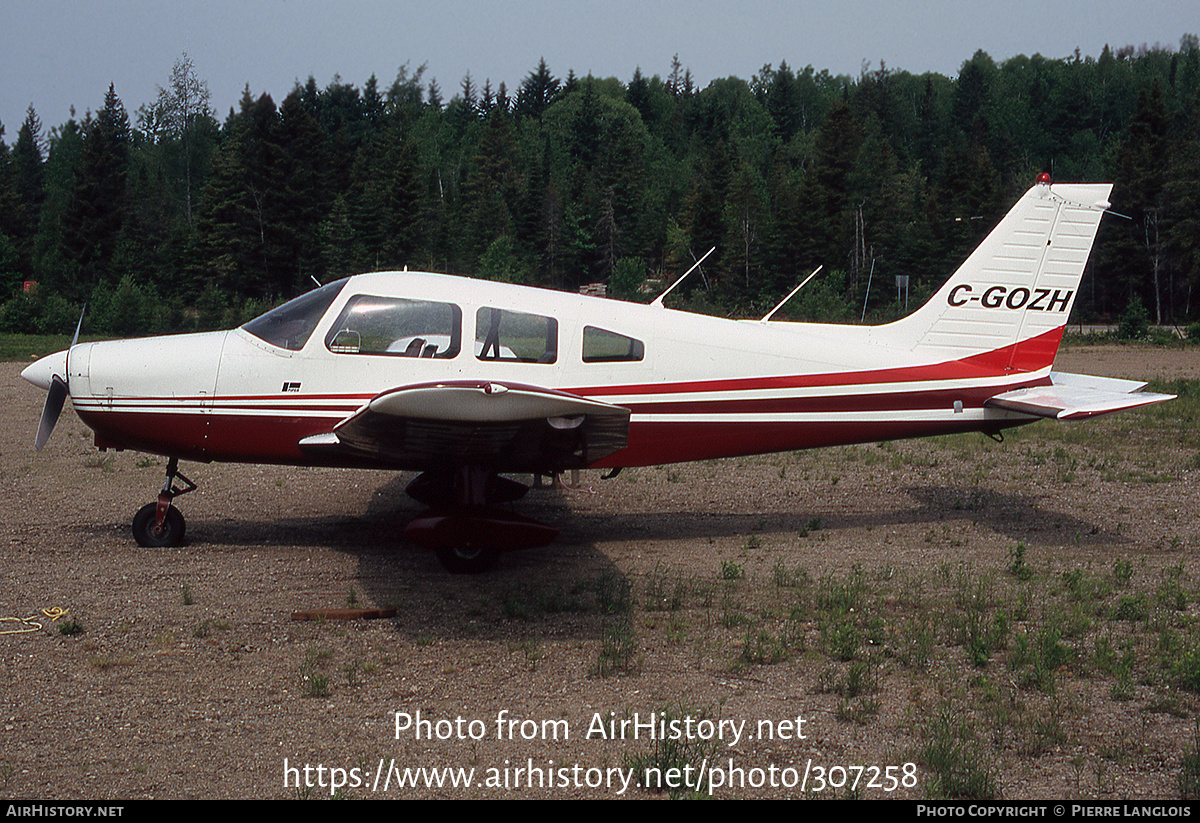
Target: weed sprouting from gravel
<point>314,680</point>
<point>669,758</point>
<point>959,765</point>
<point>69,628</point>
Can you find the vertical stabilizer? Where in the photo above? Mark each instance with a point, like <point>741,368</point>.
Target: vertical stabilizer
<point>1011,299</point>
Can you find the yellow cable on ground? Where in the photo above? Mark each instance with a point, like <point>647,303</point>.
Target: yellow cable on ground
<point>30,624</point>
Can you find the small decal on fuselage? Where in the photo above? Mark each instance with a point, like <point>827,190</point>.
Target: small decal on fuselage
<point>291,387</point>
<point>996,297</point>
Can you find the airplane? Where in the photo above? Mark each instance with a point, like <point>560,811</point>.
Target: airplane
<point>466,381</point>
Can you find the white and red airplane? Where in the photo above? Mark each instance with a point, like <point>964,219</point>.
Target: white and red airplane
<point>465,380</point>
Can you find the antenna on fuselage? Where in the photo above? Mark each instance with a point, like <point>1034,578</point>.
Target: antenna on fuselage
<point>658,301</point>
<point>791,294</point>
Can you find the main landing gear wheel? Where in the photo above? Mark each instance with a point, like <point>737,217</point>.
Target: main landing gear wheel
<point>468,559</point>
<point>464,529</point>
<point>147,534</point>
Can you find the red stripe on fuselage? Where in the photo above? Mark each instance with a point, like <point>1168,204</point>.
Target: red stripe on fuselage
<point>1027,356</point>
<point>219,429</point>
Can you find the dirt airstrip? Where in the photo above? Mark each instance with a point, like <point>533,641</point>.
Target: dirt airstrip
<point>783,620</point>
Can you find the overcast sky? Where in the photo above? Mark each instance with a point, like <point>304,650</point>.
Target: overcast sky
<point>57,54</point>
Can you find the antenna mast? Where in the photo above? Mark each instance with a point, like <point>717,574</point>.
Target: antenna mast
<point>658,301</point>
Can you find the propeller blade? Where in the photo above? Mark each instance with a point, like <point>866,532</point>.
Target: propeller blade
<point>78,326</point>
<point>50,411</point>
<point>59,389</point>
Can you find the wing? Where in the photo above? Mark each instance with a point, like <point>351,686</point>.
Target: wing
<point>1077,396</point>
<point>506,427</point>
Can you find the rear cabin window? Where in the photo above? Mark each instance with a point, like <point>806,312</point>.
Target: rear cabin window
<point>601,346</point>
<point>397,327</point>
<point>515,336</point>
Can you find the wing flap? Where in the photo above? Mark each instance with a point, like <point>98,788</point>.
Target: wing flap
<point>1077,397</point>
<point>507,427</point>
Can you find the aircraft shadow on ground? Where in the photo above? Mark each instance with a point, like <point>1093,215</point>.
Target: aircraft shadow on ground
<point>1020,517</point>
<point>538,588</point>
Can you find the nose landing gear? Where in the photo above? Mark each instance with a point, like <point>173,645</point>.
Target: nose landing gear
<point>160,524</point>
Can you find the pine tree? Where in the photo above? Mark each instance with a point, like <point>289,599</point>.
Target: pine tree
<point>98,206</point>
<point>27,162</point>
<point>537,92</point>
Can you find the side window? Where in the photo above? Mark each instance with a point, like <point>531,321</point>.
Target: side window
<point>515,336</point>
<point>600,346</point>
<point>397,327</point>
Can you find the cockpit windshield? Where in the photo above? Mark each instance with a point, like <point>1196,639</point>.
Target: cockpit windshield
<point>290,325</point>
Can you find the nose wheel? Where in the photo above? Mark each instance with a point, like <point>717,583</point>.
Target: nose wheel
<point>151,534</point>
<point>159,524</point>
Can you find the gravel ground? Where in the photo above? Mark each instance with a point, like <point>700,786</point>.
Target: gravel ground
<point>699,590</point>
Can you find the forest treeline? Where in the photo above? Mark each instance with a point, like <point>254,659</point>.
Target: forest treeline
<point>173,219</point>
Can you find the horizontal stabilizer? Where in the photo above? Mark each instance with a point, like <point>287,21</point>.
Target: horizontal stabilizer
<point>1076,397</point>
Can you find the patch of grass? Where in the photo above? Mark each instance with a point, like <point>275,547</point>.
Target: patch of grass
<point>313,678</point>
<point>1189,769</point>
<point>29,347</point>
<point>525,601</point>
<point>840,637</point>
<point>69,627</point>
<point>618,653</point>
<point>731,610</point>
<point>1085,587</point>
<point>666,590</point>
<point>1017,566</point>
<point>1038,655</point>
<point>1186,670</point>
<point>351,670</point>
<point>613,593</point>
<point>204,629</point>
<point>761,648</point>
<point>860,711</point>
<point>316,684</point>
<point>662,767</point>
<point>980,636</point>
<point>811,526</point>
<point>842,595</point>
<point>1170,593</point>
<point>916,642</point>
<point>104,462</point>
<point>793,578</point>
<point>1131,607</point>
<point>110,661</point>
<point>731,570</point>
<point>956,762</point>
<point>517,604</point>
<point>859,678</point>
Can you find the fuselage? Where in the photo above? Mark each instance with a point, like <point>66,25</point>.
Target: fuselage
<point>698,387</point>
